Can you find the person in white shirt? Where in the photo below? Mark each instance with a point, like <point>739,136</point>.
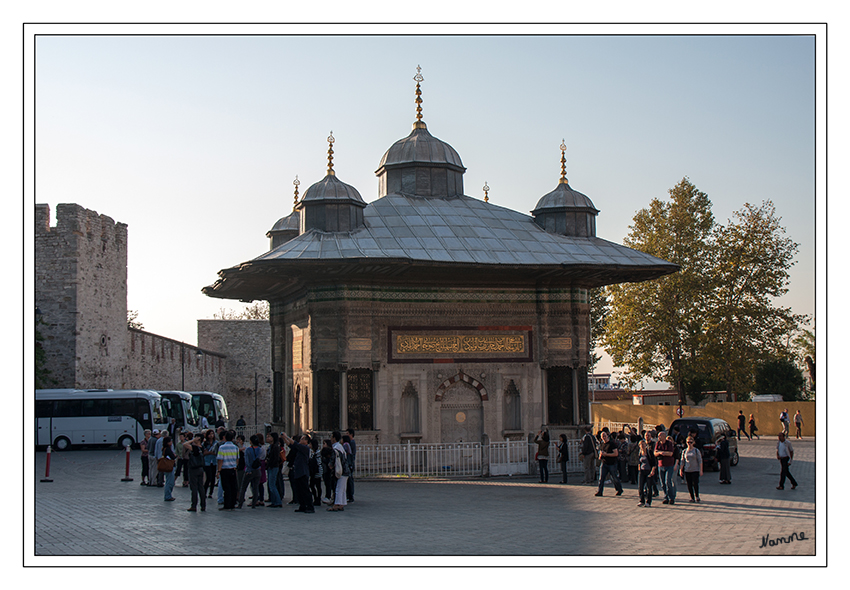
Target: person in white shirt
<point>785,453</point>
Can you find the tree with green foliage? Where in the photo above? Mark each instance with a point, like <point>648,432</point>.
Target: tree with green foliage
<point>716,319</point>
<point>780,376</point>
<point>654,328</point>
<point>752,258</point>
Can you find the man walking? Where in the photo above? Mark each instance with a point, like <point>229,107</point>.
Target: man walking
<point>588,456</point>
<point>785,454</point>
<point>609,453</point>
<point>798,422</point>
<point>665,452</point>
<point>742,425</point>
<point>785,421</point>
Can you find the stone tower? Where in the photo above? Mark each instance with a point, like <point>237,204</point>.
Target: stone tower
<point>81,292</point>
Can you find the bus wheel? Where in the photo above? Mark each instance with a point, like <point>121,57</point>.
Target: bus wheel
<point>125,441</point>
<point>61,444</point>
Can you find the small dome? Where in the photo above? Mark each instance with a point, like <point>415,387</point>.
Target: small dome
<point>288,223</point>
<point>330,188</point>
<point>564,197</point>
<point>420,147</point>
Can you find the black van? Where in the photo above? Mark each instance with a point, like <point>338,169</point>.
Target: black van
<point>708,432</point>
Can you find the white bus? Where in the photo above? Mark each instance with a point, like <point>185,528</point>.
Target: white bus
<point>178,405</point>
<point>211,405</point>
<point>66,417</point>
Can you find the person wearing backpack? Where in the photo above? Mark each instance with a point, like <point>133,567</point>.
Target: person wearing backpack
<point>195,464</point>
<point>252,473</point>
<point>588,456</point>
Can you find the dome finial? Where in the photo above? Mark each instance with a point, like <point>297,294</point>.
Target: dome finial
<point>331,141</point>
<point>296,182</point>
<point>419,123</point>
<point>486,190</point>
<point>563,164</point>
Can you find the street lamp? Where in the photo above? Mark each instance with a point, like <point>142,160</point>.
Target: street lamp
<point>256,379</point>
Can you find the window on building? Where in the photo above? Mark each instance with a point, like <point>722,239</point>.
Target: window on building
<point>327,399</point>
<point>409,409</point>
<point>360,399</point>
<point>513,407</point>
<point>559,381</point>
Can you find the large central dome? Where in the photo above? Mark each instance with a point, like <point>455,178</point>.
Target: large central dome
<point>420,164</point>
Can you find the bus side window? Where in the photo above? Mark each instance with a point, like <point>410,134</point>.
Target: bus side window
<point>143,414</point>
<point>70,408</point>
<point>95,407</point>
<point>122,407</point>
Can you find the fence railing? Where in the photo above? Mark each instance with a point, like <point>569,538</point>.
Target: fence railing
<point>458,459</point>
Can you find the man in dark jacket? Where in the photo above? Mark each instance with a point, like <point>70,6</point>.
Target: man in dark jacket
<point>301,471</point>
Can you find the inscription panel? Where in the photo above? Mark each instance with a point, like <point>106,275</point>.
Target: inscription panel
<point>445,344</point>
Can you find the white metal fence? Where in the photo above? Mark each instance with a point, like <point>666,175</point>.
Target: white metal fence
<point>458,459</point>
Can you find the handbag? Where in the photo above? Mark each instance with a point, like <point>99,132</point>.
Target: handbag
<point>165,464</point>
<point>337,465</point>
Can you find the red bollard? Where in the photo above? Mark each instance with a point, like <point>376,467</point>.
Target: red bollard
<point>47,468</point>
<point>127,470</point>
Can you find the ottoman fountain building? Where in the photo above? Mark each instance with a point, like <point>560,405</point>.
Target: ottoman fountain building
<point>427,315</point>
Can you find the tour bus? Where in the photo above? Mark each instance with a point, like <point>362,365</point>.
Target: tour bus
<point>179,405</point>
<point>211,405</point>
<point>66,417</point>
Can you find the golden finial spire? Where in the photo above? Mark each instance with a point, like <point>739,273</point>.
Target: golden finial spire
<point>563,164</point>
<point>486,190</point>
<point>331,141</point>
<point>419,123</point>
<point>296,182</point>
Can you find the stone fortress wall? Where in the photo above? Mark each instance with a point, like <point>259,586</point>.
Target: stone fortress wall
<point>248,346</point>
<point>81,292</point>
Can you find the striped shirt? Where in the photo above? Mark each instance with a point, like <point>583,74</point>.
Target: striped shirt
<point>228,454</point>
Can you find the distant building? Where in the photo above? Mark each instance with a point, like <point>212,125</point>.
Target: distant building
<point>670,397</point>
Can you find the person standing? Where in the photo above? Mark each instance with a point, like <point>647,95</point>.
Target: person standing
<point>301,471</point>
<point>327,455</point>
<point>152,475</point>
<point>609,454</point>
<point>182,459</point>
<point>157,455</point>
<point>563,456</point>
<point>753,428</point>
<point>169,457</point>
<point>665,452</point>
<point>226,459</point>
<point>692,468</point>
<point>341,474</point>
<point>646,471</point>
<point>785,454</point>
<point>588,456</point>
<point>315,472</point>
<point>742,425</point>
<point>195,466</point>
<point>252,473</point>
<point>798,422</point>
<point>273,468</point>
<point>210,449</point>
<point>542,440</point>
<point>349,490</point>
<point>724,457</point>
<point>143,444</point>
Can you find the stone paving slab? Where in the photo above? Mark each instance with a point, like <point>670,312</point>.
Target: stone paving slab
<point>88,511</point>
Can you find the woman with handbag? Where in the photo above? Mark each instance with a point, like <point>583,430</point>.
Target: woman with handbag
<point>166,465</point>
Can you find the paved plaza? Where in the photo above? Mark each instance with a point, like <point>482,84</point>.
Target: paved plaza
<point>88,511</point>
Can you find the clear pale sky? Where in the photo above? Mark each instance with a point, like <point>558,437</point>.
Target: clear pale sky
<point>194,141</point>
